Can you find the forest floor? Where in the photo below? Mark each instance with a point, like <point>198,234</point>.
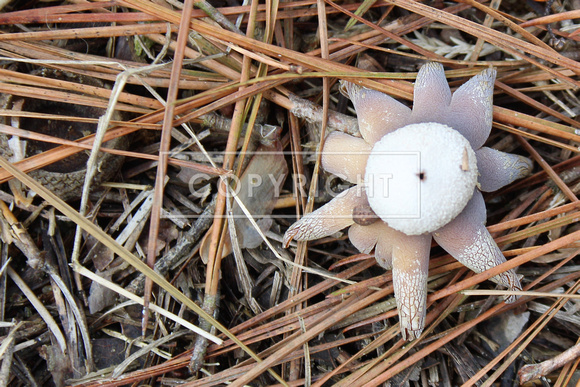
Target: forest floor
<point>194,100</point>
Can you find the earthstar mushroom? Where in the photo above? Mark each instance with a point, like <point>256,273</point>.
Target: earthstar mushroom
<point>417,175</point>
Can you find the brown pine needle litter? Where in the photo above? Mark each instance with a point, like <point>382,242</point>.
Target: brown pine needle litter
<point>213,127</point>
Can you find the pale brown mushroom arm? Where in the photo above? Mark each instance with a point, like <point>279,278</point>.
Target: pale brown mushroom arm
<point>468,241</point>
<point>410,272</point>
<point>498,169</point>
<point>328,219</point>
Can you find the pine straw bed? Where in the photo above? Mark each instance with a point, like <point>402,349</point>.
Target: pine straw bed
<point>317,313</point>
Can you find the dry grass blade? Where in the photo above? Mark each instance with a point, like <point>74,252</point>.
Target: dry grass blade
<point>506,42</point>
<point>42,311</point>
<point>101,236</point>
<point>163,155</point>
<point>86,33</point>
<point>567,191</point>
<point>552,18</point>
<point>514,27</point>
<point>154,308</point>
<point>121,367</point>
<point>517,293</point>
<point>531,332</point>
<point>10,130</point>
<point>288,55</point>
<point>533,123</point>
